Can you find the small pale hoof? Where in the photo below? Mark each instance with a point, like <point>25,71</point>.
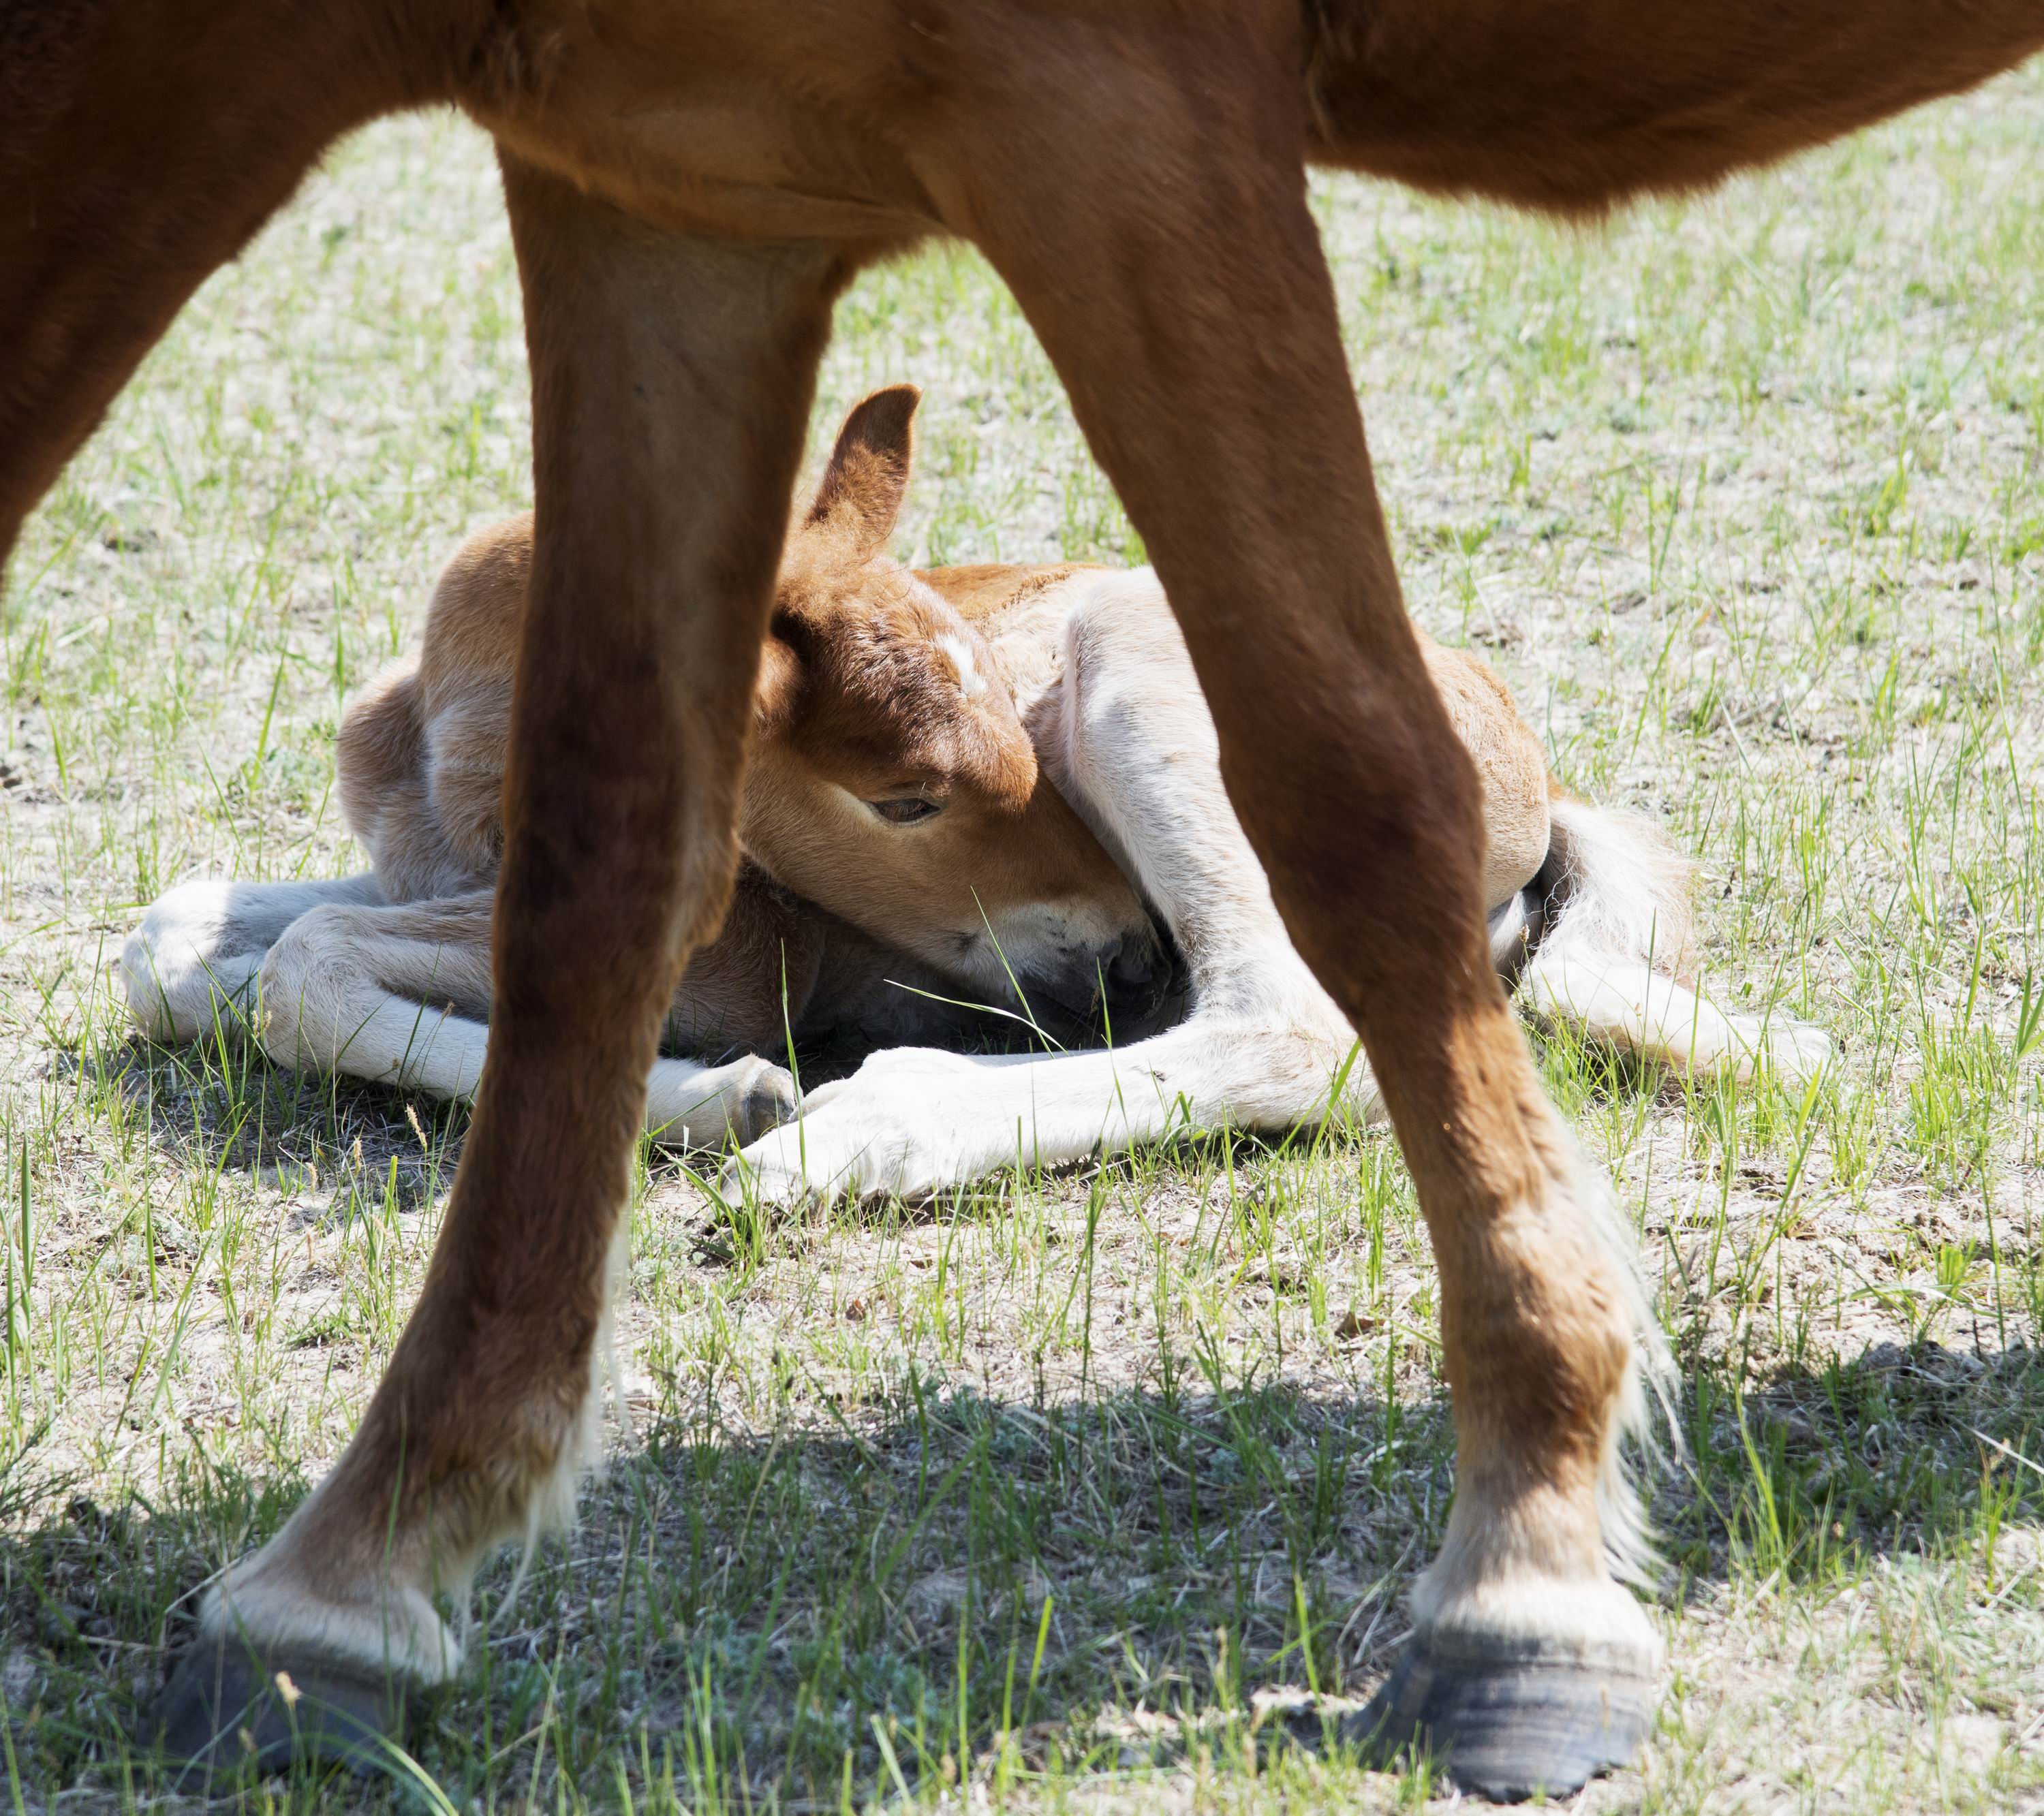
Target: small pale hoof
<point>769,1099</point>
<point>224,1707</point>
<point>1508,1721</point>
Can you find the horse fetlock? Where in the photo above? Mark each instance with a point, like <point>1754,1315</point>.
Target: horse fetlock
<point>1494,1584</point>
<point>303,1654</point>
<point>295,1595</point>
<point>1530,1668</point>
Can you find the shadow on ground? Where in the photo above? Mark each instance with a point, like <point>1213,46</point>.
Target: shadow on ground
<point>221,1107</point>
<point>1106,1584</point>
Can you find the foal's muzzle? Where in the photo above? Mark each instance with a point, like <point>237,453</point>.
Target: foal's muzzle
<point>1116,990</point>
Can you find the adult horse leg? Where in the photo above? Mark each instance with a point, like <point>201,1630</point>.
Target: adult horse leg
<point>671,382</point>
<point>142,146</point>
<point>1161,244</point>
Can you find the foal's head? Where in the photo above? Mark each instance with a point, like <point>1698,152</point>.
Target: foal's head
<point>890,780</point>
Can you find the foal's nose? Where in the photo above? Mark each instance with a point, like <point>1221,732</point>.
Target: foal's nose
<point>1138,973</point>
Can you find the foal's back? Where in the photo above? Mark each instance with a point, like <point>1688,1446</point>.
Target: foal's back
<point>421,752</point>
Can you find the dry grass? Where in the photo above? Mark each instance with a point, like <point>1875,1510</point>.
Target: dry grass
<point>1050,1494</point>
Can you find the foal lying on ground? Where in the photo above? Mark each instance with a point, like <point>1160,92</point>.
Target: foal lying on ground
<point>965,782</point>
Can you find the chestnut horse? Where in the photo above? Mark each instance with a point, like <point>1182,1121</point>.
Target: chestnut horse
<point>690,183</point>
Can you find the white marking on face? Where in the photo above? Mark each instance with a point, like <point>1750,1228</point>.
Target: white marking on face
<point>971,682</point>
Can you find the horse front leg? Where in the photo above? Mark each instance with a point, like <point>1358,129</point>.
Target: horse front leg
<point>1157,234</point>
<point>671,384</point>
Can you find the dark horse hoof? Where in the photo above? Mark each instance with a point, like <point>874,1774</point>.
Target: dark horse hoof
<point>224,1707</point>
<point>1506,1720</point>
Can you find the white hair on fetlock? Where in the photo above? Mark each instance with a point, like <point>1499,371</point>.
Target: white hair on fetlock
<point>1645,1414</point>
<point>552,1506</point>
<point>617,1273</point>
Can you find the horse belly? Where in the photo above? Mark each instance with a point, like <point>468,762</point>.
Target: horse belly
<point>734,121</point>
<point>1571,105</point>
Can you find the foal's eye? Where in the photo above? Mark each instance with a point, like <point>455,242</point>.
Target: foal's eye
<point>906,812</point>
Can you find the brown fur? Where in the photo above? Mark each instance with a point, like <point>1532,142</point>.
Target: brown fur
<point>979,593</point>
<point>858,701</point>
<point>859,698</point>
<point>690,183</point>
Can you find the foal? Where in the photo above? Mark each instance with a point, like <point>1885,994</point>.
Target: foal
<point>917,740</point>
<point>904,846</point>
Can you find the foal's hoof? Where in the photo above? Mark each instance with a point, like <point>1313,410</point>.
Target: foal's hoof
<point>767,1099</point>
<point>1508,1720</point>
<point>224,1706</point>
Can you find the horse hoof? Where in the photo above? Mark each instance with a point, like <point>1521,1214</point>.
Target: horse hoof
<point>226,1708</point>
<point>1507,1720</point>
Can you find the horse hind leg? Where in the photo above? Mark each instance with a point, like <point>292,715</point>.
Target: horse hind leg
<point>1228,424</point>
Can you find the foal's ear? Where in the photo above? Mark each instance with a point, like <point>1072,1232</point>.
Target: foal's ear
<point>868,475</point>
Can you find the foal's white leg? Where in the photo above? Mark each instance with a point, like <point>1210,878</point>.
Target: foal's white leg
<point>191,965</point>
<point>1129,744</point>
<point>913,1120</point>
<point>690,1105</point>
<point>400,995</point>
<point>1625,1001</point>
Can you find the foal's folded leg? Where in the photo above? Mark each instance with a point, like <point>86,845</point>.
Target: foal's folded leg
<point>671,382</point>
<point>398,995</point>
<point>191,966</point>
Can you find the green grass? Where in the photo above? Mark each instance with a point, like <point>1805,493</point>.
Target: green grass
<point>1061,1492</point>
